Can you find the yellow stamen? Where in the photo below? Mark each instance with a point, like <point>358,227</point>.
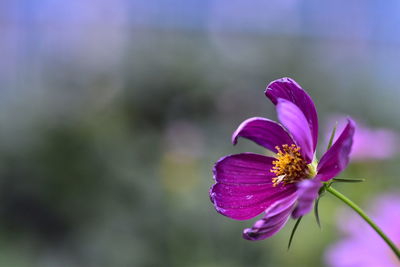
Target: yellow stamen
<point>290,166</point>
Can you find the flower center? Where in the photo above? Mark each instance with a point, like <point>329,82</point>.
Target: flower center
<point>289,166</point>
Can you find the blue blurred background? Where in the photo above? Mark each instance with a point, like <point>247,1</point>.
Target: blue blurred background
<point>113,112</point>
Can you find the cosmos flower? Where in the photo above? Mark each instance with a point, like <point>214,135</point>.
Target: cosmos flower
<point>369,143</point>
<point>363,246</point>
<point>249,184</point>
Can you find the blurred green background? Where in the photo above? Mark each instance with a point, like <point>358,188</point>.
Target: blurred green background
<point>113,112</point>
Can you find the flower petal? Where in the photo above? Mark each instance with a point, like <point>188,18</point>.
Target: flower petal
<point>264,132</point>
<point>275,218</point>
<point>295,121</point>
<point>290,90</point>
<point>245,201</point>
<point>307,192</point>
<point>244,168</point>
<point>337,157</point>
<point>244,187</point>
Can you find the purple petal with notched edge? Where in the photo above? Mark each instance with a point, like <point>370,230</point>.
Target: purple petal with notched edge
<point>244,168</point>
<point>244,187</point>
<point>307,191</point>
<point>337,157</point>
<point>264,132</point>
<point>243,202</point>
<point>296,123</point>
<point>288,89</point>
<point>275,218</point>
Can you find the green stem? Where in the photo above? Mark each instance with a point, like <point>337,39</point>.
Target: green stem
<point>357,209</point>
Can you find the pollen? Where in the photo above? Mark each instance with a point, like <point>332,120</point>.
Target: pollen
<point>289,166</point>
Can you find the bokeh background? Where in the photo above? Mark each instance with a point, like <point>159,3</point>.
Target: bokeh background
<point>113,112</point>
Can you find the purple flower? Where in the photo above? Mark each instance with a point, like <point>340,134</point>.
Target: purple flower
<point>249,184</point>
<point>368,143</point>
<point>363,246</point>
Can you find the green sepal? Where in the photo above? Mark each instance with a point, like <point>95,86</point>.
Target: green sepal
<point>293,231</point>
<point>347,180</point>
<point>332,136</point>
<point>316,213</point>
